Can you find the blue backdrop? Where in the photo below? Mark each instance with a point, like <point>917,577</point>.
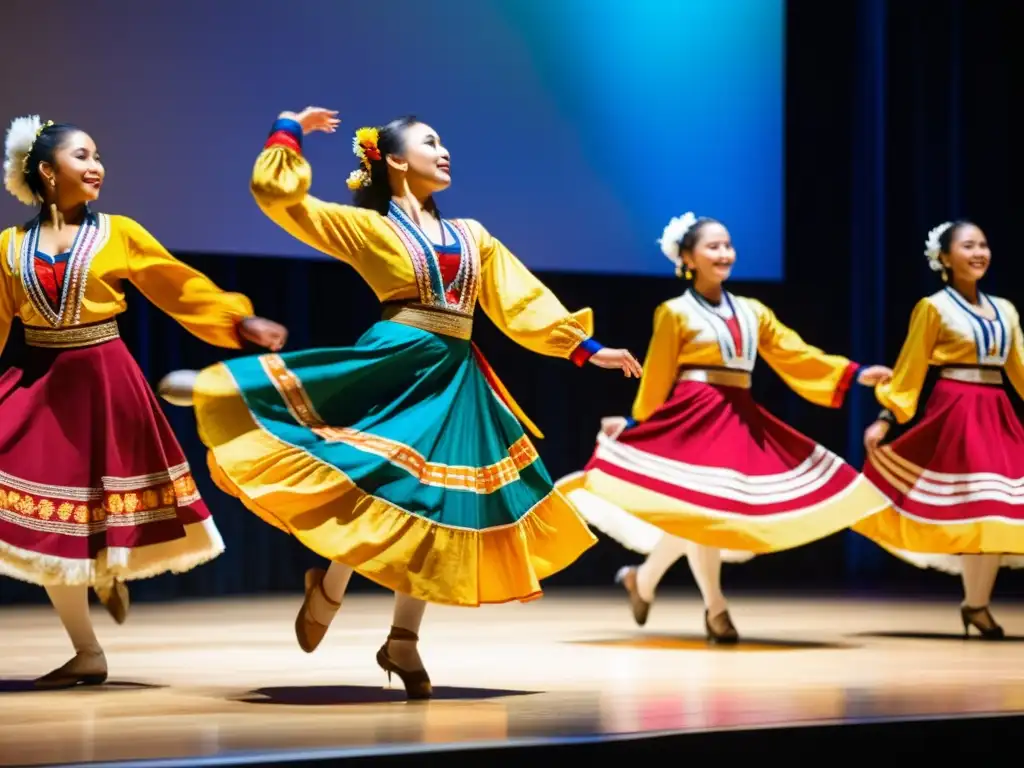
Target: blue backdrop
<point>577,127</point>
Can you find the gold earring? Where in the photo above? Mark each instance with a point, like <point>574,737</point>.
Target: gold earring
<point>688,274</point>
<point>944,277</point>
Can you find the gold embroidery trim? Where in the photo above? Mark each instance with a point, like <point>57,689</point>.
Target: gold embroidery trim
<point>481,480</point>
<point>432,320</point>
<point>154,497</point>
<point>72,336</point>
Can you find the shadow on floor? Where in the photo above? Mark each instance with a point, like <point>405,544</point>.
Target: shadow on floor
<point>25,686</point>
<point>700,643</point>
<point>958,636</point>
<point>336,695</point>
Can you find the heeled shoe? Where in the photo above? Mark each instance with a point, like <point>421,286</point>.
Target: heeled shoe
<point>982,620</point>
<point>640,608</point>
<point>70,675</point>
<point>416,681</point>
<point>308,631</point>
<point>115,599</point>
<point>720,629</point>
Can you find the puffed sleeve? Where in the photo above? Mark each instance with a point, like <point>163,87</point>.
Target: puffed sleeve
<point>281,179</point>
<point>661,365</point>
<point>184,293</point>
<point>1015,360</point>
<point>8,310</point>
<point>525,310</point>
<point>900,394</point>
<point>817,377</point>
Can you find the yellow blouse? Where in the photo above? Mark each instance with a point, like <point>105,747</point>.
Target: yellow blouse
<point>690,332</point>
<point>399,263</point>
<point>107,251</point>
<point>946,330</point>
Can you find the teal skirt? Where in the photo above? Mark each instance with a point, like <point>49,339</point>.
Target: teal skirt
<point>397,457</point>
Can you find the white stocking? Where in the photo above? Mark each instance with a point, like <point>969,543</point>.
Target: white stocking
<point>665,553</point>
<point>408,616</point>
<point>336,581</point>
<point>72,605</point>
<point>334,585</point>
<point>979,577</point>
<point>706,565</point>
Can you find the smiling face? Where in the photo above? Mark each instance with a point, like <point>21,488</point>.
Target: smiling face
<point>969,256</point>
<point>424,160</point>
<point>712,257</point>
<point>76,174</point>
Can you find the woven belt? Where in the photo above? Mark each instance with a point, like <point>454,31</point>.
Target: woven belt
<point>73,336</point>
<point>430,319</point>
<point>993,376</point>
<point>740,379</point>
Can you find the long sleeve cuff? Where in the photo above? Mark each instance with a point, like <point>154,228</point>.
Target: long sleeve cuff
<point>587,349</point>
<point>285,133</point>
<point>849,376</point>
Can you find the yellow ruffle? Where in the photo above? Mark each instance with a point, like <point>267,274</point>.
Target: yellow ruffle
<point>893,531</point>
<point>746,533</point>
<point>319,505</point>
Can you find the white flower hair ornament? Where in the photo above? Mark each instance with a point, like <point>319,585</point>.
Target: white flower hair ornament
<point>672,238</point>
<point>932,247</point>
<point>21,137</point>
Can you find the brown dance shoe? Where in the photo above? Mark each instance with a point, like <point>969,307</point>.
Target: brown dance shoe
<point>308,631</point>
<point>416,681</point>
<point>720,629</point>
<point>83,669</point>
<point>640,607</point>
<point>115,599</point>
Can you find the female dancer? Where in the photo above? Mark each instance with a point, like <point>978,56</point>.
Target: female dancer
<point>402,457</point>
<point>94,489</point>
<point>955,481</point>
<point>701,460</point>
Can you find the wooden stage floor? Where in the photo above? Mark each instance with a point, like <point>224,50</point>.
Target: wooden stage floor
<point>223,678</point>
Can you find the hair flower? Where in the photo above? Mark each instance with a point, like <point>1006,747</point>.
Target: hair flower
<point>364,146</point>
<point>358,178</point>
<point>21,137</point>
<point>672,236</point>
<point>932,246</point>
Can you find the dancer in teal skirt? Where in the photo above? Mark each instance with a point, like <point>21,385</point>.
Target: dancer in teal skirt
<point>402,458</point>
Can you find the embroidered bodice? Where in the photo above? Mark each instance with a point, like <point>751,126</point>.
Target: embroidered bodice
<point>86,284</point>
<point>399,263</point>
<point>945,329</point>
<point>691,332</point>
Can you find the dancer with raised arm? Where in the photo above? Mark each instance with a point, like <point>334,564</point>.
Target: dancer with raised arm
<point>401,458</point>
<point>94,489</point>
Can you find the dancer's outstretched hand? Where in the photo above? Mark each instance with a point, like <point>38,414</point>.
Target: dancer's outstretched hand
<point>875,374</point>
<point>264,333</point>
<point>314,119</point>
<point>875,434</point>
<point>618,358</point>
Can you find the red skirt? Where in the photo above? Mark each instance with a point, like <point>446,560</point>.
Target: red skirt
<point>93,484</point>
<point>714,467</point>
<point>955,481</point>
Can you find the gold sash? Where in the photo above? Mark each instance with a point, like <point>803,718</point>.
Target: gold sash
<point>72,336</point>
<point>740,379</point>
